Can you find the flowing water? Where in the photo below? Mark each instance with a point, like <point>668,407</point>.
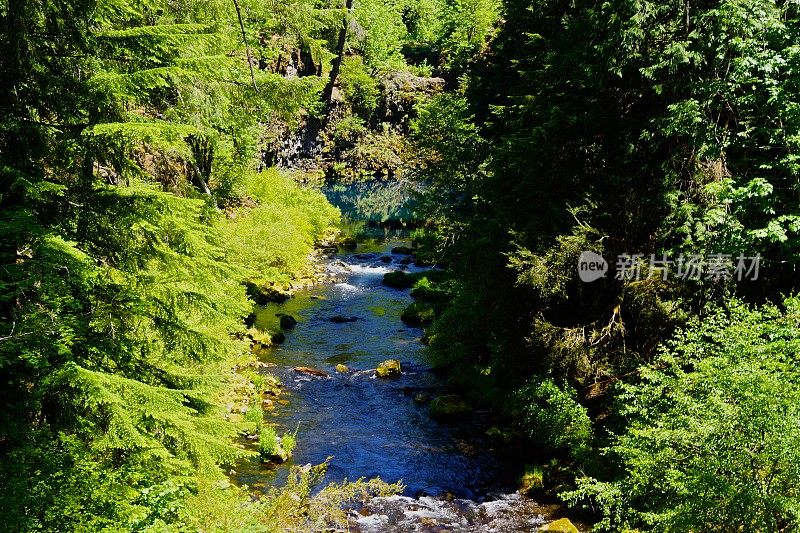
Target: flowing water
<point>372,427</point>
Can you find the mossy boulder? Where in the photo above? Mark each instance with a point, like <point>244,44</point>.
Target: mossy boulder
<point>448,407</point>
<point>397,280</point>
<point>404,280</point>
<point>402,250</point>
<point>418,314</point>
<point>388,369</point>
<point>532,480</point>
<point>263,294</point>
<point>500,435</point>
<point>562,525</point>
<point>288,322</point>
<point>273,448</point>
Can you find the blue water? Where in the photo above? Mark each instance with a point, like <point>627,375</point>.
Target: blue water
<point>372,427</point>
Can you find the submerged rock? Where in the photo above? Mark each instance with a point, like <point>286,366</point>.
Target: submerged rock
<point>310,371</point>
<point>562,525</point>
<point>342,368</point>
<point>339,319</point>
<point>386,259</point>
<point>449,406</point>
<point>288,322</point>
<point>388,369</point>
<point>421,397</point>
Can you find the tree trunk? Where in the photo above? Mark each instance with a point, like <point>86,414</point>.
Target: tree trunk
<point>327,95</point>
<point>247,46</point>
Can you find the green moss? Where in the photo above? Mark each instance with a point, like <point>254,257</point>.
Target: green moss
<point>449,406</point>
<point>418,314</point>
<point>405,280</point>
<point>388,369</point>
<point>562,525</point>
<point>532,479</point>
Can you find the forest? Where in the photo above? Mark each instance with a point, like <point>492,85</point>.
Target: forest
<point>399,265</point>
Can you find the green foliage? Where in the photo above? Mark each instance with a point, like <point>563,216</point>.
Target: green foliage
<point>383,32</point>
<point>551,416</point>
<point>712,432</point>
<point>300,505</point>
<point>121,301</point>
<point>621,128</point>
<point>418,314</point>
<point>468,26</point>
<point>267,442</point>
<point>359,88</point>
<point>273,240</point>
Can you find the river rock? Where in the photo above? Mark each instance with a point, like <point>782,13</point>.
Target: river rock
<point>562,525</point>
<point>278,338</point>
<point>288,322</point>
<point>277,455</point>
<point>402,250</point>
<point>388,369</point>
<point>449,406</point>
<point>342,369</point>
<point>310,371</point>
<point>386,259</point>
<point>339,319</point>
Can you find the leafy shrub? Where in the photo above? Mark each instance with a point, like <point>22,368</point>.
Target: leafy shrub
<point>359,88</point>
<point>267,442</point>
<point>713,434</point>
<point>272,241</point>
<point>551,416</point>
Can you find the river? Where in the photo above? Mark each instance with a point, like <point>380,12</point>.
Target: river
<point>455,478</point>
